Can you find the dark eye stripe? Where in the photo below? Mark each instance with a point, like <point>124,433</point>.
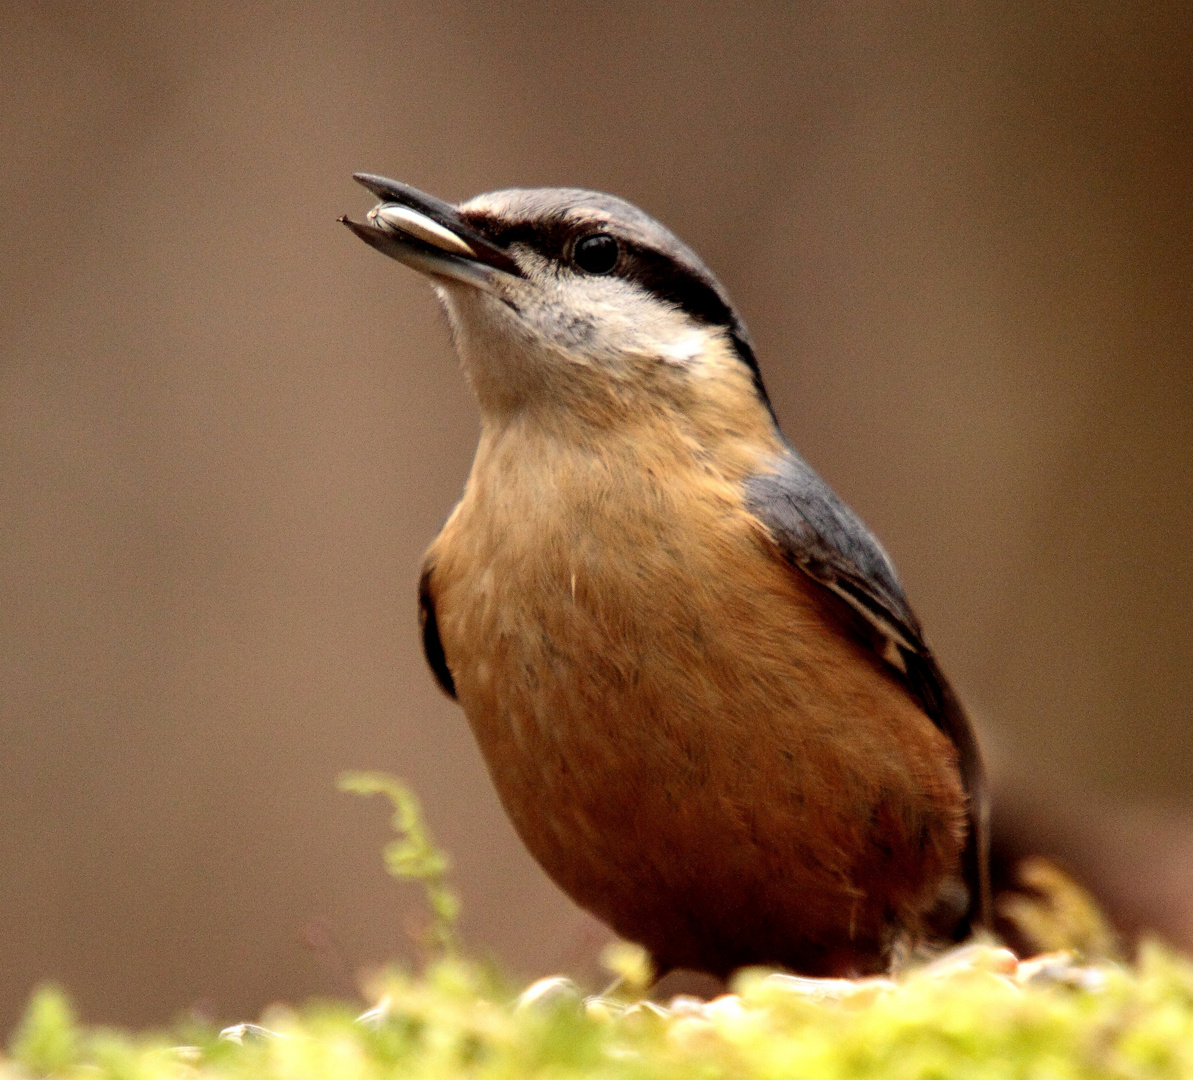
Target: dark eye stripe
<point>689,291</point>
<point>654,271</point>
<point>549,237</point>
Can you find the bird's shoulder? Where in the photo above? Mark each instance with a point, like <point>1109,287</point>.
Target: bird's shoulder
<point>817,533</point>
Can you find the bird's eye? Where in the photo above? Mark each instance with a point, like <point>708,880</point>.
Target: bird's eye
<point>596,254</point>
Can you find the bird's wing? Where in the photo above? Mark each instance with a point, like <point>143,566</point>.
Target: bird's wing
<point>432,643</point>
<point>821,537</point>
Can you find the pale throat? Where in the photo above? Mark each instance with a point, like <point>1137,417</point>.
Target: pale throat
<point>666,372</point>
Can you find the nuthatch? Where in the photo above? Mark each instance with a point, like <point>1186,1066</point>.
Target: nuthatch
<point>693,674</point>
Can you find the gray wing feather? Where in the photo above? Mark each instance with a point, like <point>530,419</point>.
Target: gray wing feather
<point>820,536</point>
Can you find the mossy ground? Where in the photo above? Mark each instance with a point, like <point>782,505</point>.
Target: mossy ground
<point>1132,1022</point>
<point>975,1014</point>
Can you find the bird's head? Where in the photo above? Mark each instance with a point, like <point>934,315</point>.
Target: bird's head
<point>572,305</point>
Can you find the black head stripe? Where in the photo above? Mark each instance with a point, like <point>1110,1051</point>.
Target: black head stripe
<point>684,286</point>
<point>549,236</point>
<point>741,343</point>
<point>658,272</point>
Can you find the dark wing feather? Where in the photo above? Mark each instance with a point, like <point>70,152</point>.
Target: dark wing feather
<point>432,644</point>
<point>823,538</point>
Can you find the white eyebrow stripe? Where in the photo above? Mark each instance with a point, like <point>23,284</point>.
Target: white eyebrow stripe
<point>401,219</point>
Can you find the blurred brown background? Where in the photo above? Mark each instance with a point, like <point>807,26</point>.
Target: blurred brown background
<point>960,234</point>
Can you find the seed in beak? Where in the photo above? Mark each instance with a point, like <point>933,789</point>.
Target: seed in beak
<point>401,219</point>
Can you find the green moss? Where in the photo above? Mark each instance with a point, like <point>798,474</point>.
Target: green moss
<point>453,1021</point>
<point>47,1042</point>
<point>413,855</point>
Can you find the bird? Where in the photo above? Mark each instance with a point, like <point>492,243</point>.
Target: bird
<point>697,684</point>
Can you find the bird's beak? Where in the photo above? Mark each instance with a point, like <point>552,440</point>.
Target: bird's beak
<point>429,235</point>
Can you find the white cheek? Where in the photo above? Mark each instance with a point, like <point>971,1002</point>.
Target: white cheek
<point>515,351</point>
<point>620,321</point>
<point>684,349</point>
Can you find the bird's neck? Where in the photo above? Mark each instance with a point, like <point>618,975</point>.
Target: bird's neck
<point>543,453</point>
